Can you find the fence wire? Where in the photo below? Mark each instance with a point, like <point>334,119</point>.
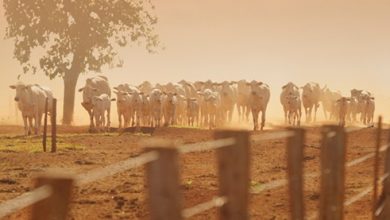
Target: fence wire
<point>101,173</point>
<point>27,199</point>
<point>214,203</point>
<point>272,136</point>
<point>205,146</point>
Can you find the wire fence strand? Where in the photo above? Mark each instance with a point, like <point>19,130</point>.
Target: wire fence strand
<point>24,200</point>
<point>101,173</point>
<point>272,136</point>
<point>208,145</point>
<point>196,210</point>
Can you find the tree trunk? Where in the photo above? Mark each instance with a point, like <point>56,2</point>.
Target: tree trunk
<point>70,81</point>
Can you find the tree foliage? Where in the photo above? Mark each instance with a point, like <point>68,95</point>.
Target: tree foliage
<point>77,35</point>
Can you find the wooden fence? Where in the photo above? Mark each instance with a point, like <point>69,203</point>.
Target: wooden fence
<point>51,197</point>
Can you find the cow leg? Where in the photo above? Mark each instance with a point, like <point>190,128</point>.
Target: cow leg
<point>263,115</point>
<point>26,127</point>
<point>120,119</point>
<point>255,116</point>
<point>231,114</point>
<point>286,115</point>
<point>108,119</point>
<point>31,126</point>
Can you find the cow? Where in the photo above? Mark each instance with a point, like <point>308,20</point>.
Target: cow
<point>31,101</point>
<point>289,90</point>
<point>192,111</point>
<point>243,94</point>
<point>146,109</point>
<point>258,101</point>
<point>156,107</point>
<point>136,108</point>
<point>368,109</point>
<point>100,105</point>
<point>94,86</point>
<point>169,105</point>
<point>311,93</point>
<point>294,109</point>
<point>228,99</point>
<point>213,103</point>
<point>328,99</point>
<point>123,101</point>
<point>342,108</point>
<point>364,102</point>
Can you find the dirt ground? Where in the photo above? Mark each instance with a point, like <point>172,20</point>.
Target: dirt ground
<point>123,196</point>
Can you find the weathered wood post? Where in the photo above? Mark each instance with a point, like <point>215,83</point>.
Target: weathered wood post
<point>233,174</point>
<point>54,127</point>
<point>56,206</point>
<point>383,205</point>
<point>45,126</point>
<point>333,154</point>
<point>376,167</point>
<point>295,156</point>
<point>163,181</point>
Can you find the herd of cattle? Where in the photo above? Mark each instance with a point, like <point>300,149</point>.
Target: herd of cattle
<point>204,104</point>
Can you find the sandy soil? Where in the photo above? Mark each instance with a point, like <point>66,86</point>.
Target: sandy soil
<point>123,196</point>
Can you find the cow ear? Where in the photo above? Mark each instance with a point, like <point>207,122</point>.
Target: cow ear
<point>12,86</point>
<point>372,98</point>
<point>116,88</point>
<point>283,87</point>
<point>260,83</point>
<point>81,89</point>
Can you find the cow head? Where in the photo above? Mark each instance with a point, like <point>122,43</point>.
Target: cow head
<point>21,91</point>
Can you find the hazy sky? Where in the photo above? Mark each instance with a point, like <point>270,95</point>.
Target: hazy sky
<point>343,44</point>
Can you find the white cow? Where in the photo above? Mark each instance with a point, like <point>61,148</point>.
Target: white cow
<point>101,105</point>
<point>228,99</point>
<point>343,107</point>
<point>192,111</point>
<point>311,99</point>
<point>365,105</point>
<point>156,107</point>
<point>258,101</point>
<point>169,106</point>
<point>31,101</point>
<point>294,110</point>
<point>243,94</point>
<point>288,90</point>
<point>213,103</point>
<point>124,108</point>
<point>94,86</point>
<point>146,109</point>
<point>328,99</point>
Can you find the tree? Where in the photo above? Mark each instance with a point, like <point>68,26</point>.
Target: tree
<point>77,36</point>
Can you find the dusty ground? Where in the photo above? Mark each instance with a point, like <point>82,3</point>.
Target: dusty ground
<point>123,196</point>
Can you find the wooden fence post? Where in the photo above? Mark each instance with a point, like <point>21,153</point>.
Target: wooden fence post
<point>56,206</point>
<point>45,126</point>
<point>384,201</point>
<point>333,154</point>
<point>163,181</point>
<point>233,168</point>
<point>376,167</point>
<point>295,156</point>
<point>54,127</point>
